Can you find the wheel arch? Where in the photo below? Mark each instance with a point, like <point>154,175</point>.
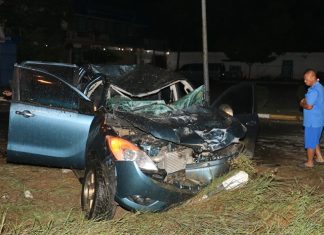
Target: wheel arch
<point>96,145</point>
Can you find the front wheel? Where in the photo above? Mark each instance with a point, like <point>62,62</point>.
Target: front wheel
<point>98,191</point>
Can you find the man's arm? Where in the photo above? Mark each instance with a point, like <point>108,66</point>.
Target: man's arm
<point>304,105</point>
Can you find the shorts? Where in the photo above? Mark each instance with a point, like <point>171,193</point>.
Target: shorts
<point>312,137</point>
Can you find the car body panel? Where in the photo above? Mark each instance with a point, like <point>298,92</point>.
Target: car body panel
<point>241,98</point>
<point>112,70</point>
<point>45,130</point>
<point>132,181</point>
<point>50,137</point>
<point>202,128</point>
<point>141,81</point>
<point>144,79</point>
<point>189,143</point>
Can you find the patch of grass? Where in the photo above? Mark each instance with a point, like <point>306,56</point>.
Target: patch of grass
<point>243,163</point>
<point>263,206</point>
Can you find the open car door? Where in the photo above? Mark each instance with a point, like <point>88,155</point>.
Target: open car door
<point>239,101</point>
<point>49,120</point>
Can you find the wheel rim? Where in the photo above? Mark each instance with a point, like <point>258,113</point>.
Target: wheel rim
<point>89,191</point>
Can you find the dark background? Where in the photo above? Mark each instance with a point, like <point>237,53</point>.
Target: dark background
<point>244,30</point>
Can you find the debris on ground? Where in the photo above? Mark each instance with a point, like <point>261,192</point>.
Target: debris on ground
<point>5,196</point>
<point>28,194</point>
<point>66,171</point>
<point>235,181</point>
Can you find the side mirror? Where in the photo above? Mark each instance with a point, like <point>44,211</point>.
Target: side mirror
<point>227,109</point>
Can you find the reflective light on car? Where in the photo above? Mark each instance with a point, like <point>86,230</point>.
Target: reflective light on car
<point>227,109</point>
<point>44,81</point>
<point>124,150</point>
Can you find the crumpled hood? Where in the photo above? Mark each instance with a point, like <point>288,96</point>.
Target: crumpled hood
<point>207,129</point>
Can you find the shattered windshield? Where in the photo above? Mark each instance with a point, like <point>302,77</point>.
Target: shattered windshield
<point>155,107</point>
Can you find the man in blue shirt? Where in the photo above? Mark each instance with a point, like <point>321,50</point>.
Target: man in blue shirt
<point>313,105</point>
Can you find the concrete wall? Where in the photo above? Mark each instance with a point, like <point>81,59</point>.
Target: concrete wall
<point>301,62</point>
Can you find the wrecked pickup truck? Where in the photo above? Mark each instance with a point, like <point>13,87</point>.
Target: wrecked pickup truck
<point>145,138</point>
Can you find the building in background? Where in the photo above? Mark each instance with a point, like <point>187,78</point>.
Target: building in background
<point>286,66</point>
<point>113,32</point>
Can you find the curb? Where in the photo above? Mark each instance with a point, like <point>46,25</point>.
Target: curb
<point>280,117</point>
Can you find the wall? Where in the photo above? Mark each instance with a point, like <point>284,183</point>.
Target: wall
<point>301,62</point>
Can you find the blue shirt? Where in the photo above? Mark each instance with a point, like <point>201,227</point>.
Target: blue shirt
<point>315,116</point>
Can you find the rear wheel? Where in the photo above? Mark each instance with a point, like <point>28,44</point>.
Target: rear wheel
<point>98,191</point>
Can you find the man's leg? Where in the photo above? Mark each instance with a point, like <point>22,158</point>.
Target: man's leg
<point>312,136</point>
<point>310,156</point>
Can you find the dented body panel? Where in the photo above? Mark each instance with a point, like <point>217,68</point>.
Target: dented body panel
<point>204,130</point>
<point>157,111</point>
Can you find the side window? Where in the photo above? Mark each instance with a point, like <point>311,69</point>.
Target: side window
<point>239,98</point>
<point>41,88</point>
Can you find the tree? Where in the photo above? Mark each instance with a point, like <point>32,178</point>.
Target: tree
<point>250,53</point>
<point>40,27</point>
<point>249,38</point>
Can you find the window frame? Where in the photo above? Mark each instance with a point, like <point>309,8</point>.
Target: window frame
<point>84,104</point>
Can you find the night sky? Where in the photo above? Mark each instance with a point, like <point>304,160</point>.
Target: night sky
<point>234,26</point>
<point>275,25</point>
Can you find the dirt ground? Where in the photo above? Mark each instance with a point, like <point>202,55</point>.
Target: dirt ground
<point>278,150</point>
<point>280,147</point>
<point>54,190</point>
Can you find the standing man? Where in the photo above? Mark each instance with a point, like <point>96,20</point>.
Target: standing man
<point>313,105</point>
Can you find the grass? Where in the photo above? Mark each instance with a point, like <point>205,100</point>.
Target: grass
<point>263,206</point>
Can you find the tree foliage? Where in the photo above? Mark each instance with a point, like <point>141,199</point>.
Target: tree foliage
<point>40,27</point>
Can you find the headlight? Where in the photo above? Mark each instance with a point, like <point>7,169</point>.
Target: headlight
<point>124,150</point>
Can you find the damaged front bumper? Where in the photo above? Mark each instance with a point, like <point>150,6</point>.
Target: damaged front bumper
<point>140,192</point>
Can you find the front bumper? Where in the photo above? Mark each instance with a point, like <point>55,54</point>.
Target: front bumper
<point>139,192</point>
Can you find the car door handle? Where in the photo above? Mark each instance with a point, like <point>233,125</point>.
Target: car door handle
<point>25,113</point>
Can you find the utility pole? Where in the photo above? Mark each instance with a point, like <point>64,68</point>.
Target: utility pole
<point>205,51</point>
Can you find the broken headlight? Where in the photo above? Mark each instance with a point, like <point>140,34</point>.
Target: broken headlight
<point>124,150</point>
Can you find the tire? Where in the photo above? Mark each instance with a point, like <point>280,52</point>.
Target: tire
<point>98,191</point>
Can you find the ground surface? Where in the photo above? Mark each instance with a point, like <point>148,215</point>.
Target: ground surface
<point>278,150</point>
